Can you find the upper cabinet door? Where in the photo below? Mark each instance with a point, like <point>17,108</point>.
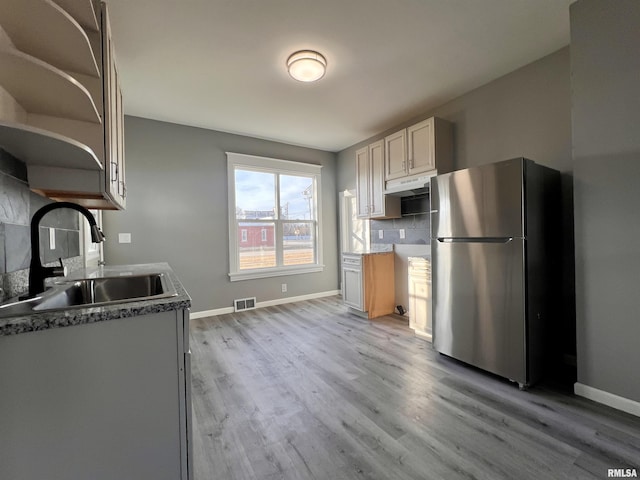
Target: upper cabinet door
<point>421,147</point>
<point>113,117</point>
<point>376,193</point>
<point>395,146</point>
<point>362,182</point>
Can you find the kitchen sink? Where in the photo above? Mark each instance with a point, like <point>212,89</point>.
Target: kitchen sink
<point>95,292</point>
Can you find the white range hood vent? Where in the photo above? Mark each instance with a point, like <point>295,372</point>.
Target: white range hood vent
<point>407,186</point>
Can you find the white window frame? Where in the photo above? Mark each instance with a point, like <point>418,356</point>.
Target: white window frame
<point>93,252</point>
<point>271,165</point>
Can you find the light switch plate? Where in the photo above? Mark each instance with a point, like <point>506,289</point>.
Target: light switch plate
<point>380,233</point>
<point>402,233</point>
<point>124,238</point>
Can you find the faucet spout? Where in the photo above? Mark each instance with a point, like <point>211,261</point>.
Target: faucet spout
<point>37,272</point>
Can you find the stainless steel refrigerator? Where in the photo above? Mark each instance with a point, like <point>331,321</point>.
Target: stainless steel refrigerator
<point>494,251</point>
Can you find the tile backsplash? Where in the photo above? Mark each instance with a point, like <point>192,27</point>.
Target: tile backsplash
<point>415,222</point>
<point>17,206</point>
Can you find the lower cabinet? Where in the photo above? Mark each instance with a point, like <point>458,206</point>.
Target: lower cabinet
<point>368,283</point>
<point>420,296</point>
<point>352,287</point>
<point>101,401</point>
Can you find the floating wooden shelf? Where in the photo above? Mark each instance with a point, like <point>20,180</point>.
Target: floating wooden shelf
<point>35,146</point>
<point>82,11</point>
<point>40,88</point>
<point>46,31</point>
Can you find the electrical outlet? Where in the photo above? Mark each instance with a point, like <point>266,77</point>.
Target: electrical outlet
<point>380,233</point>
<point>402,233</point>
<point>124,238</point>
<point>284,288</point>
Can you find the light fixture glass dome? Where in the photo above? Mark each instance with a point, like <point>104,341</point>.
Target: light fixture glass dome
<point>306,65</point>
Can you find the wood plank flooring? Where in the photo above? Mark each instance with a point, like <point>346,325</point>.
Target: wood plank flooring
<point>310,391</point>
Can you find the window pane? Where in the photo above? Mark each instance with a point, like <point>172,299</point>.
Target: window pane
<point>255,195</point>
<point>256,245</point>
<point>298,243</point>
<point>296,197</point>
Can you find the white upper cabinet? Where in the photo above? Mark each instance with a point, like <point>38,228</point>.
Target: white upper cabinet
<point>420,147</point>
<point>60,99</point>
<point>370,198</point>
<point>396,155</point>
<point>423,148</point>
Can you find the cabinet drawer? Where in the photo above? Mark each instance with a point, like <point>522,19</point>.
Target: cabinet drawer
<point>352,260</point>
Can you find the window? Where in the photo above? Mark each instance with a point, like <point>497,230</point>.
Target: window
<point>92,251</point>
<point>275,206</point>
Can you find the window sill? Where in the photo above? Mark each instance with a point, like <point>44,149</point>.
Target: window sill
<point>274,272</point>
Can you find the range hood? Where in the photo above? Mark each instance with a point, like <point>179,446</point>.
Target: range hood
<point>407,186</point>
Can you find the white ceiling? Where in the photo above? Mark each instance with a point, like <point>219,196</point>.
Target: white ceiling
<point>220,64</point>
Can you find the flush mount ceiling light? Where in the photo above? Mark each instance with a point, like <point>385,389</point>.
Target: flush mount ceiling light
<point>306,65</point>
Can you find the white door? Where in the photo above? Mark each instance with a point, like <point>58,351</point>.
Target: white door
<point>354,231</point>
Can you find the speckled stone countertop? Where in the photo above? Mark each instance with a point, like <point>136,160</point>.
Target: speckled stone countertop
<point>78,316</point>
<point>374,249</point>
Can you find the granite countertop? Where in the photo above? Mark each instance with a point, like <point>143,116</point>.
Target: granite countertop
<point>386,248</point>
<point>36,321</point>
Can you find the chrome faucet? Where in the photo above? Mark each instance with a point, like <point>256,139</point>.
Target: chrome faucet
<point>38,273</point>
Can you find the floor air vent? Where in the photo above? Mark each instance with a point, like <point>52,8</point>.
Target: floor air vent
<point>244,304</point>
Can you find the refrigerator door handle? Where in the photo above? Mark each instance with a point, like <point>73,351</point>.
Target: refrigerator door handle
<point>475,239</point>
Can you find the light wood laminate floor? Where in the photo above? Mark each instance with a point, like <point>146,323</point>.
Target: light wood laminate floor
<point>310,391</point>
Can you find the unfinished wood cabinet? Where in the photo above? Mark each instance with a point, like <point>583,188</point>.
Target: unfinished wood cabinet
<point>368,283</point>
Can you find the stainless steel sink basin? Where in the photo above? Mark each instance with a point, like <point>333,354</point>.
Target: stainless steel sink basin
<point>94,292</point>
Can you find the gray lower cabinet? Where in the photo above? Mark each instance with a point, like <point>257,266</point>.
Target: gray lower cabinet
<point>352,287</point>
<point>101,401</point>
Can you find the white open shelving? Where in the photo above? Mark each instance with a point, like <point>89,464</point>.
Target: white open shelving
<point>51,70</point>
<point>42,147</point>
<point>44,30</point>
<point>61,101</point>
<point>83,12</point>
<point>41,88</point>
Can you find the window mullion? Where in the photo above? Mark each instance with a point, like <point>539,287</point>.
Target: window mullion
<point>278,230</point>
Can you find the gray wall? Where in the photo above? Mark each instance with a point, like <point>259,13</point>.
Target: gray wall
<point>177,211</point>
<point>17,206</point>
<point>526,113</point>
<point>605,69</point>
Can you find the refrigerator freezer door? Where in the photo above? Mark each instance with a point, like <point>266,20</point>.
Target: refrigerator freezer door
<point>483,201</point>
<point>479,310</point>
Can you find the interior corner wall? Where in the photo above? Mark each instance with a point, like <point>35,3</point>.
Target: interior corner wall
<point>177,211</point>
<point>605,71</point>
<point>526,113</point>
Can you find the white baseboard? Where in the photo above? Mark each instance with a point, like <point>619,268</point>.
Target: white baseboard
<point>606,398</point>
<point>210,313</point>
<point>268,303</point>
